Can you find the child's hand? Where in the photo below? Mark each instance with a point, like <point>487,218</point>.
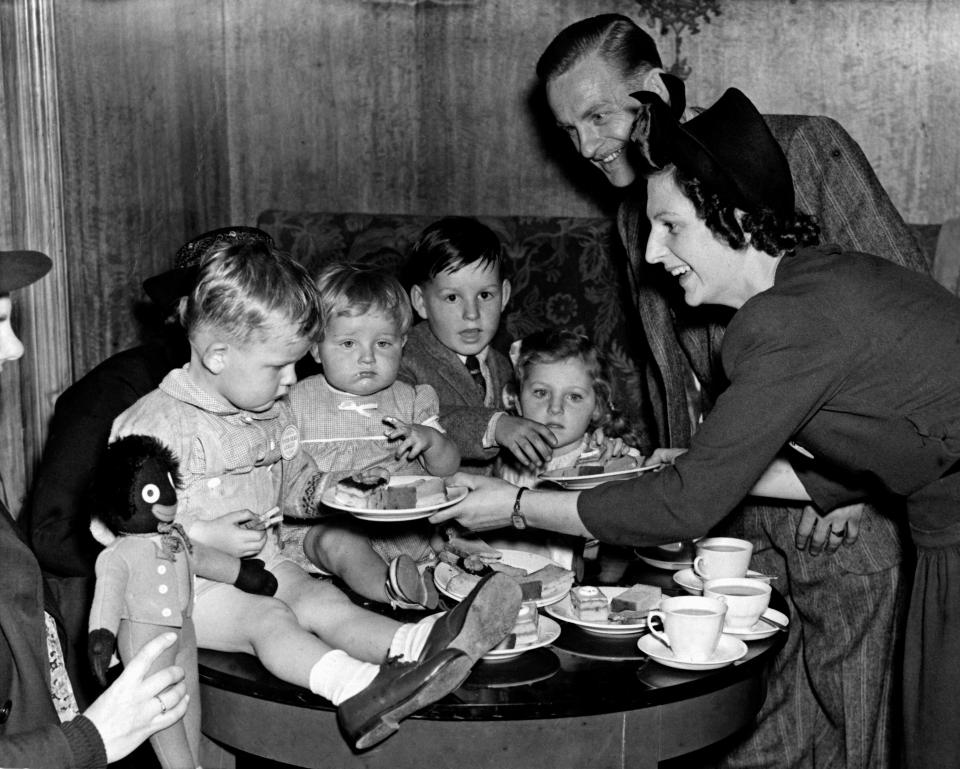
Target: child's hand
<point>530,442</point>
<point>228,534</point>
<point>414,439</point>
<point>611,448</point>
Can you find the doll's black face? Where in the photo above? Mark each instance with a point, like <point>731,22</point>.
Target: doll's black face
<point>153,498</point>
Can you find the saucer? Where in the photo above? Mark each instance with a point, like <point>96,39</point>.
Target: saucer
<point>760,629</point>
<point>729,650</point>
<point>690,582</point>
<point>548,632</point>
<point>670,557</point>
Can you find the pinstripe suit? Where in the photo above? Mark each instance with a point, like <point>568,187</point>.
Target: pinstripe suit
<point>827,705</point>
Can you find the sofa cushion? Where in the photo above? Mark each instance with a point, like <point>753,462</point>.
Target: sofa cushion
<point>561,272</point>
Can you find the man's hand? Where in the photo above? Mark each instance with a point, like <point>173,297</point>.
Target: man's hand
<point>228,533</point>
<point>817,533</point>
<point>530,442</point>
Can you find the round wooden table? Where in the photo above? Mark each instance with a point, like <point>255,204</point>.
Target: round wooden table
<point>586,701</point>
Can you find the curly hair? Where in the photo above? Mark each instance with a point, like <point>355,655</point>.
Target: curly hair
<point>556,345</point>
<point>767,232</point>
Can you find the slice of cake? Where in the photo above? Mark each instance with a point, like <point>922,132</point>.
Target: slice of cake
<point>527,629</point>
<point>430,491</point>
<point>589,604</point>
<point>620,463</point>
<point>553,578</point>
<point>638,600</point>
<point>362,490</point>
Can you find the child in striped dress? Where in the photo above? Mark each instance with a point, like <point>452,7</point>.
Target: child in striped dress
<point>356,416</point>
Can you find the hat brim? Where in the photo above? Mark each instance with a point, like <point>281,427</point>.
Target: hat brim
<point>166,289</point>
<point>21,268</point>
<point>731,149</point>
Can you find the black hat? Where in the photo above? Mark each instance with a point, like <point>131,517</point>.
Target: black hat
<point>167,288</point>
<point>21,268</point>
<point>728,146</point>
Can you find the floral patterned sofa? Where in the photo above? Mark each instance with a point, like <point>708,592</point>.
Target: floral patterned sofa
<point>563,272</point>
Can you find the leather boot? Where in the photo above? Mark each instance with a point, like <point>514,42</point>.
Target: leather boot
<point>400,690</point>
<point>480,621</point>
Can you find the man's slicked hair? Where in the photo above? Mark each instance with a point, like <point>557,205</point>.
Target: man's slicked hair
<point>614,37</point>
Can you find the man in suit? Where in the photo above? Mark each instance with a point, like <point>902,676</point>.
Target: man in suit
<point>830,700</point>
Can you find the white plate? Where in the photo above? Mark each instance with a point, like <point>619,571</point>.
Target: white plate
<point>761,629</point>
<point>454,495</point>
<point>728,651</point>
<point>689,581</point>
<point>578,482</point>
<point>519,558</point>
<point>563,610</point>
<point>548,632</point>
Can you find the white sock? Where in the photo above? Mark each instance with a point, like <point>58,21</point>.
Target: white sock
<point>410,638</point>
<point>338,676</point>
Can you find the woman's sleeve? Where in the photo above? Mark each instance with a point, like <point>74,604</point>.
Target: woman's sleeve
<point>783,360</point>
<point>75,744</point>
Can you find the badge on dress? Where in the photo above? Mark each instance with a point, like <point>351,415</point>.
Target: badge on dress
<point>289,442</point>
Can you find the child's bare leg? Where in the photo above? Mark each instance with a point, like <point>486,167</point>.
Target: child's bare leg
<point>343,548</point>
<point>324,609</point>
<point>227,619</point>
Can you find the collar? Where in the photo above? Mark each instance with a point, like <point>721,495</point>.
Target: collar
<point>179,385</point>
<point>480,356</point>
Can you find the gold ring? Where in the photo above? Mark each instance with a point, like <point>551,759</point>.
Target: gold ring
<point>163,708</point>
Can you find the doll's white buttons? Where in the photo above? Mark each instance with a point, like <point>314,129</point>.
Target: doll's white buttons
<point>163,589</point>
<point>166,613</point>
<point>161,569</point>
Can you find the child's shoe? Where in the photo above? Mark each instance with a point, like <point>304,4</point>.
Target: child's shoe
<point>408,587</point>
<point>480,621</point>
<point>400,690</point>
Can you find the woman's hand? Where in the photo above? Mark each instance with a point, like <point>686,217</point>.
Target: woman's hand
<point>663,457</point>
<point>489,504</point>
<point>130,710</point>
<point>228,534</point>
<point>827,532</point>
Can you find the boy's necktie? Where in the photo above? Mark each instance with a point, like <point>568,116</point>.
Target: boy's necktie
<point>473,366</point>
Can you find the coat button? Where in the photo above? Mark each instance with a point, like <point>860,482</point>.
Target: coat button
<point>5,711</point>
<point>166,613</point>
<point>163,589</point>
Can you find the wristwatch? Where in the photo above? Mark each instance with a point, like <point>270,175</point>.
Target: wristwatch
<point>517,519</point>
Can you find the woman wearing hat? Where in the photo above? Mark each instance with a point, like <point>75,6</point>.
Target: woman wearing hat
<point>40,723</point>
<point>844,363</point>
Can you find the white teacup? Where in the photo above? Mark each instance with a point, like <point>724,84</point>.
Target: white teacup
<point>719,557</point>
<point>746,599</point>
<point>690,625</point>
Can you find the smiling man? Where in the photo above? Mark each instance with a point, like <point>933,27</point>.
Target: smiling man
<point>829,700</point>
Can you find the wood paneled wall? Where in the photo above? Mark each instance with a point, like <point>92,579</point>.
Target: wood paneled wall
<point>177,116</point>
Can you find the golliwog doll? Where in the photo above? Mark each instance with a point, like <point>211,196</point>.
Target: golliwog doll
<point>145,577</point>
